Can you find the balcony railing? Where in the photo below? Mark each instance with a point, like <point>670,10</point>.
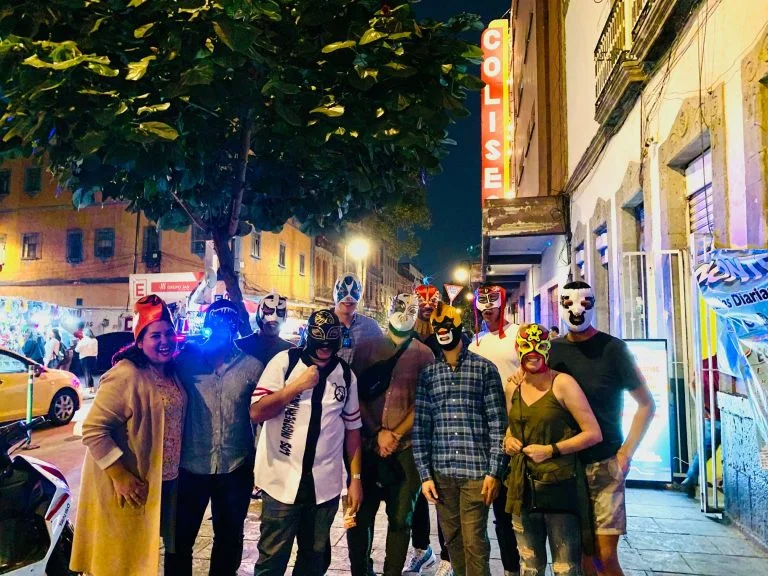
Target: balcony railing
<point>614,45</point>
<point>640,9</point>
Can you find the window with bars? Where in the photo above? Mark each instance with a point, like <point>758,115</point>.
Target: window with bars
<point>32,180</point>
<point>104,243</point>
<point>199,238</point>
<point>5,183</point>
<point>256,245</point>
<point>151,246</point>
<point>698,183</point>
<point>302,264</point>
<point>281,256</point>
<point>31,248</point>
<point>74,246</point>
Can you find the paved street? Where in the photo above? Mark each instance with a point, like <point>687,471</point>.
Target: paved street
<point>667,533</point>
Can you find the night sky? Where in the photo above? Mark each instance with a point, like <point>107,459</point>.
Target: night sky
<point>454,195</point>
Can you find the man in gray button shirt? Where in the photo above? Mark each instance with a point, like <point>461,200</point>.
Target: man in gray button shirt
<point>218,449</point>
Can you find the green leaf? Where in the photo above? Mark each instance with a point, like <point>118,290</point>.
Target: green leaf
<point>102,70</point>
<point>472,52</point>
<point>97,24</point>
<point>141,31</point>
<point>400,35</point>
<point>288,114</point>
<point>332,47</point>
<point>244,229</point>
<point>136,70</point>
<point>401,70</point>
<point>202,74</point>
<point>270,9</point>
<point>330,111</point>
<point>135,3</point>
<point>154,108</point>
<point>371,35</point>
<point>91,142</point>
<point>160,129</point>
<point>36,62</point>
<point>471,82</point>
<point>237,37</point>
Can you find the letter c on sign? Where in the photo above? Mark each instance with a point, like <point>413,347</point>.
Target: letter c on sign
<point>492,39</point>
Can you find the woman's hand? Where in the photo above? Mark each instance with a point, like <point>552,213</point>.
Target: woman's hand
<point>128,486</point>
<point>512,445</point>
<point>538,452</point>
<point>387,442</point>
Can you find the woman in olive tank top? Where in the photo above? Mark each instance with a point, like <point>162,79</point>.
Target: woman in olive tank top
<point>550,421</point>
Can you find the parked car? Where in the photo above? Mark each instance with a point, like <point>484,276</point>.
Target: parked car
<point>56,393</point>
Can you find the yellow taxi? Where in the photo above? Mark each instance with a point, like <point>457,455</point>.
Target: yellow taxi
<point>56,393</point>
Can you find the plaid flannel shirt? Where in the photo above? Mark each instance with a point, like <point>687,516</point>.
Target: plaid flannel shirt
<point>460,420</point>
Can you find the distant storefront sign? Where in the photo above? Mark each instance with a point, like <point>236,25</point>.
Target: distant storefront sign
<point>652,461</point>
<point>734,283</point>
<point>171,287</point>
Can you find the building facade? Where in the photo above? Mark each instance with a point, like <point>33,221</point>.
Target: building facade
<point>665,106</point>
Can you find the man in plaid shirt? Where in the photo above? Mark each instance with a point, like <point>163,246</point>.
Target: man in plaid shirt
<point>457,443</point>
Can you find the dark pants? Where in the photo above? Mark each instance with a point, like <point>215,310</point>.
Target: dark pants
<point>510,557</point>
<point>421,529</point>
<point>400,498</point>
<point>309,524</point>
<point>89,365</point>
<point>230,496</point>
<point>463,516</point>
<point>564,535</point>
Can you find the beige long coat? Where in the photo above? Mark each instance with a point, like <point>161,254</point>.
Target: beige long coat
<point>126,420</point>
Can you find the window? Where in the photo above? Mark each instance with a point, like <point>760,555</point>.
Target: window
<point>639,213</point>
<point>104,243</point>
<point>151,244</point>
<point>199,237</point>
<point>580,258</point>
<point>32,181</point>
<point>74,246</point>
<point>255,244</point>
<point>11,365</point>
<point>528,36</point>
<point>519,100</point>
<point>281,256</point>
<point>698,183</point>
<point>531,128</point>
<point>601,244</point>
<point>301,264</point>
<point>30,246</point>
<point>5,183</point>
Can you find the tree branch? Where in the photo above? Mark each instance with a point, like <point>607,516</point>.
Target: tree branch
<point>196,220</point>
<point>245,148</point>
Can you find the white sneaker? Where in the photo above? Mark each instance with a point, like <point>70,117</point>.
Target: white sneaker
<point>418,560</point>
<point>445,569</point>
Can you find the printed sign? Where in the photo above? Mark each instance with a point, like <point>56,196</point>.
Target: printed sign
<point>494,110</point>
<point>734,283</point>
<point>171,287</point>
<point>452,290</point>
<point>653,459</point>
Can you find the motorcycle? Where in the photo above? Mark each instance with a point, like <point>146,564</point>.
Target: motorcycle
<point>35,505</point>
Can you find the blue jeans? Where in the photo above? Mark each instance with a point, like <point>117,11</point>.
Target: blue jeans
<point>309,524</point>
<point>693,469</point>
<point>532,530</point>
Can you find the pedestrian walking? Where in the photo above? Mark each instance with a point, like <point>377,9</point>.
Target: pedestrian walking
<point>54,355</point>
<point>34,346</point>
<point>307,400</point>
<point>132,435</point>
<point>87,350</point>
<point>217,452</point>
<point>458,435</point>
<point>550,422</point>
<point>495,342</point>
<point>389,370</point>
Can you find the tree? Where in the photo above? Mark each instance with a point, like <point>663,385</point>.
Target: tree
<point>231,114</point>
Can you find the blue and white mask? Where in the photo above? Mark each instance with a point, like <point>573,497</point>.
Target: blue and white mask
<point>348,290</point>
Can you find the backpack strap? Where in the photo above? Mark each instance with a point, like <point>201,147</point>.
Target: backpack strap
<point>347,373</point>
<point>294,355</point>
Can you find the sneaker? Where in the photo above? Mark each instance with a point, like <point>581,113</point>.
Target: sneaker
<point>445,569</point>
<point>419,560</point>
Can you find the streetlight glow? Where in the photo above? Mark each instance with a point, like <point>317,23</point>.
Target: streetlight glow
<point>460,310</point>
<point>469,296</point>
<point>461,274</point>
<point>358,248</point>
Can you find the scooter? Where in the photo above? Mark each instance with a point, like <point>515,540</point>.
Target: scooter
<point>35,505</point>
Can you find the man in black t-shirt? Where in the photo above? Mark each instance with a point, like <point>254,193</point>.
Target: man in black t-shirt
<point>604,368</point>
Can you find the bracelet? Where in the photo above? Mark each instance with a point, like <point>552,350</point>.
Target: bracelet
<point>555,451</point>
<point>356,476</point>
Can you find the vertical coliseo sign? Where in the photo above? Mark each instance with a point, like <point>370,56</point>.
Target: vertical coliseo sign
<point>494,109</point>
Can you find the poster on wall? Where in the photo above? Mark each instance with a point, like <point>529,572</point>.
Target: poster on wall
<point>734,284</point>
<point>653,459</point>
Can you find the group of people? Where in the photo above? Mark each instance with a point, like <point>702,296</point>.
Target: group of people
<point>422,413</point>
<point>58,349</point>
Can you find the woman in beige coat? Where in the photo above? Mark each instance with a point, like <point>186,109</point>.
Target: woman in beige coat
<point>133,437</point>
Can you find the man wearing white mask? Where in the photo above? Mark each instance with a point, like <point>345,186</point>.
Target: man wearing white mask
<point>389,370</point>
<point>356,328</point>
<point>604,368</point>
<point>270,317</point>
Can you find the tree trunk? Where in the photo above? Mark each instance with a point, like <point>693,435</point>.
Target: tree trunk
<point>222,244</point>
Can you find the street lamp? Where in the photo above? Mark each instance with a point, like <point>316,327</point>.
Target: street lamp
<point>358,248</point>
<point>461,274</point>
<point>469,296</point>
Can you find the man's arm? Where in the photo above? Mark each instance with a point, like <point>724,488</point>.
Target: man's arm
<point>633,380</point>
<point>353,446</point>
<point>496,419</point>
<point>272,395</point>
<point>422,430</point>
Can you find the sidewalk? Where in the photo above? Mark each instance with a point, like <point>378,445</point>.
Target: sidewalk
<point>667,535</point>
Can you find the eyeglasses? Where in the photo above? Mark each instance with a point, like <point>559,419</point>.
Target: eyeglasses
<point>346,338</point>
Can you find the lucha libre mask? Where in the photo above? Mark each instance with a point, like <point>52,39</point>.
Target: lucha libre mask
<point>348,289</point>
<point>488,297</point>
<point>402,313</point>
<point>533,339</point>
<point>323,331</point>
<point>272,308</point>
<point>446,325</point>
<point>577,306</point>
<point>428,297</point>
<point>222,322</point>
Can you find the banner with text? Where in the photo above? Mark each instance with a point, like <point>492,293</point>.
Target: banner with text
<point>494,111</point>
<point>734,283</point>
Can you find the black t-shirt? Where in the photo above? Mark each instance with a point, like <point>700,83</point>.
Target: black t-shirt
<point>262,348</point>
<point>604,368</point>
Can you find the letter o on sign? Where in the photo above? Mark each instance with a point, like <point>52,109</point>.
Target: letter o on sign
<point>492,66</point>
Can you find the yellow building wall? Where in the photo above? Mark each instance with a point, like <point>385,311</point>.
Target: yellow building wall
<point>264,274</point>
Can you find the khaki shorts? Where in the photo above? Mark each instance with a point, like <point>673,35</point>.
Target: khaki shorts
<point>606,493</point>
